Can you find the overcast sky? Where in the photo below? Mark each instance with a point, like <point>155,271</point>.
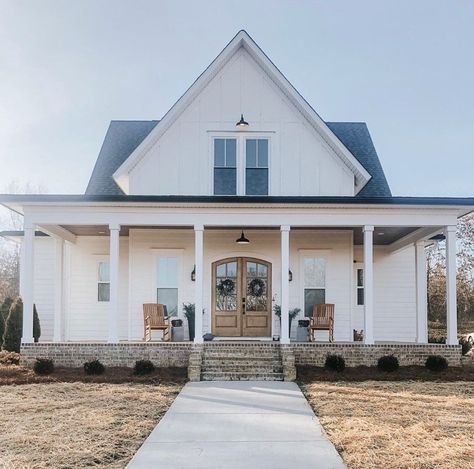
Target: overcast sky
<point>406,68</point>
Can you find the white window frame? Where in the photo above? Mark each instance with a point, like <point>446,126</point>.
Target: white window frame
<point>240,137</point>
<point>101,260</point>
<point>358,266</point>
<point>178,253</point>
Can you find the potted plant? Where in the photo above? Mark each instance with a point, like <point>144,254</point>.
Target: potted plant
<point>292,313</point>
<point>189,310</point>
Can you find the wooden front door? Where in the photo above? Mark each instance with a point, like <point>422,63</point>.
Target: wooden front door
<point>241,297</point>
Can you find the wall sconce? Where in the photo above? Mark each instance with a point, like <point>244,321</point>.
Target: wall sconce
<point>290,275</point>
<point>193,274</point>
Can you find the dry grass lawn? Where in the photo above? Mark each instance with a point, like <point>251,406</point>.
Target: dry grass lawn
<point>398,424</point>
<point>65,425</point>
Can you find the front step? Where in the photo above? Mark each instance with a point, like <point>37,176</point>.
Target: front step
<point>240,376</point>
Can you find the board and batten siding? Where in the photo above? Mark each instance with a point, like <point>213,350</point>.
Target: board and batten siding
<point>301,162</point>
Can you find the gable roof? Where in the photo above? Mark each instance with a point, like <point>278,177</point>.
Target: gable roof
<point>123,137</point>
<point>242,39</point>
<point>120,141</point>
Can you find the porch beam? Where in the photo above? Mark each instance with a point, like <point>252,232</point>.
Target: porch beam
<point>198,300</point>
<point>368,284</point>
<point>285,285</point>
<point>114,261</point>
<point>421,293</point>
<point>451,303</point>
<point>418,235</point>
<point>28,254</point>
<point>57,231</point>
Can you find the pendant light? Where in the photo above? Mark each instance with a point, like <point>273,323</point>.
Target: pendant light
<point>242,122</point>
<point>242,239</point>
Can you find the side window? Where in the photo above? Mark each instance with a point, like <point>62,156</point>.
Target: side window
<point>225,166</point>
<point>256,166</point>
<point>167,284</point>
<point>103,281</point>
<point>360,286</point>
<point>314,283</point>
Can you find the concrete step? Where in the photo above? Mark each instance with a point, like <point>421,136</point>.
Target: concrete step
<point>240,376</point>
<point>246,369</point>
<point>241,353</point>
<point>240,362</point>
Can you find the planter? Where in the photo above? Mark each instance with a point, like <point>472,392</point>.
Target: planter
<point>177,333</point>
<point>191,327</point>
<point>176,322</point>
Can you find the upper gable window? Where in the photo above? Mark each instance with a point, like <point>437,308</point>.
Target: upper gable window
<point>225,166</point>
<point>256,166</point>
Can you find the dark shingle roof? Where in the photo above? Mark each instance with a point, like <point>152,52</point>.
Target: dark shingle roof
<point>356,138</point>
<point>121,139</point>
<point>124,136</point>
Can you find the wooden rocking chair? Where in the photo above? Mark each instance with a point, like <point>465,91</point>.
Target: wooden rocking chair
<point>322,320</point>
<point>155,320</point>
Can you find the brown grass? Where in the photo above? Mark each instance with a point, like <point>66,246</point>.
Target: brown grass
<point>398,424</point>
<point>65,425</point>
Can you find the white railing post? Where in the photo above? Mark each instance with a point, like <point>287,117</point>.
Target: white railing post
<point>451,303</point>
<point>113,316</point>
<point>198,300</point>
<point>421,294</point>
<point>285,285</point>
<point>368,285</point>
<point>27,282</point>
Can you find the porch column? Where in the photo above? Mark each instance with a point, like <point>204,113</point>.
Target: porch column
<point>114,280</point>
<point>285,284</point>
<point>199,261</point>
<point>421,294</point>
<point>58,290</point>
<point>28,281</point>
<point>451,304</point>
<point>368,284</point>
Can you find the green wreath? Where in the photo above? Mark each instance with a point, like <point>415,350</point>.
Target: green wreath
<point>226,287</point>
<point>256,287</point>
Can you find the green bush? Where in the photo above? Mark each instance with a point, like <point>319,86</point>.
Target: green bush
<point>43,366</point>
<point>335,363</point>
<point>13,327</point>
<point>436,363</point>
<point>143,367</point>
<point>36,325</point>
<point>388,363</point>
<point>94,367</point>
<point>465,344</point>
<point>4,310</point>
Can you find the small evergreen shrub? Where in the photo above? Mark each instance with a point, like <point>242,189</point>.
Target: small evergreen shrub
<point>143,367</point>
<point>13,327</point>
<point>466,345</point>
<point>36,325</point>
<point>388,363</point>
<point>436,363</point>
<point>335,363</point>
<point>93,367</point>
<point>43,366</point>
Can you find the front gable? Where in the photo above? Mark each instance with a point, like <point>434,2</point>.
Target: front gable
<point>305,157</point>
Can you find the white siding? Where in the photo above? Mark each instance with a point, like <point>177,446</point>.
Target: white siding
<point>301,163</point>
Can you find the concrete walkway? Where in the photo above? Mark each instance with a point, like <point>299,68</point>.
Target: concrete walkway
<point>238,424</point>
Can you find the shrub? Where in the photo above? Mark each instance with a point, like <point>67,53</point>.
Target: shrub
<point>335,363</point>
<point>143,367</point>
<point>4,310</point>
<point>9,358</point>
<point>436,340</point>
<point>388,363</point>
<point>436,363</point>
<point>36,325</point>
<point>466,345</point>
<point>43,366</point>
<point>94,367</point>
<point>13,327</point>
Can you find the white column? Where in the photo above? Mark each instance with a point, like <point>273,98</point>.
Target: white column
<point>27,282</point>
<point>58,290</point>
<point>368,284</point>
<point>451,304</point>
<point>421,294</point>
<point>114,280</point>
<point>199,261</point>
<point>285,284</point>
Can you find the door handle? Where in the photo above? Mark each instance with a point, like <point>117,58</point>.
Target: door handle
<point>243,305</point>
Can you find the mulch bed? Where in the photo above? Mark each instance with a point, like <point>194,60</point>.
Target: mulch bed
<point>15,374</point>
<point>308,374</point>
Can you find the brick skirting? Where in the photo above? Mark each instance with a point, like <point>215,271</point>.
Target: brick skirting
<point>164,354</point>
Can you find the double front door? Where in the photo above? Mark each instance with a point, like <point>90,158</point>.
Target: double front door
<point>241,297</point>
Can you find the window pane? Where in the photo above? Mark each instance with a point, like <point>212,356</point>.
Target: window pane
<point>251,153</point>
<point>314,272</point>
<point>230,152</point>
<point>225,181</point>
<point>221,270</point>
<point>313,296</point>
<point>104,272</point>
<point>262,270</point>
<point>262,153</point>
<point>256,181</point>
<point>103,292</point>
<point>167,271</point>
<point>231,269</point>
<point>169,298</point>
<point>219,152</point>
<point>360,277</point>
<point>360,296</point>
